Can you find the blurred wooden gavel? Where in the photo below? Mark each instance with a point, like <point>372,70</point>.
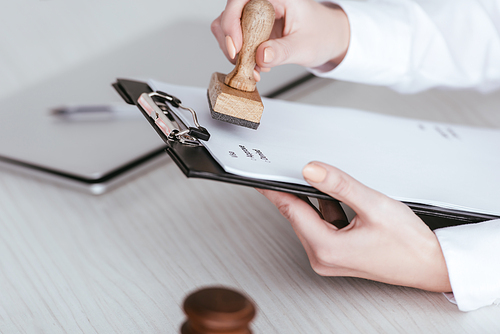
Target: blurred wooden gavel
<point>217,310</point>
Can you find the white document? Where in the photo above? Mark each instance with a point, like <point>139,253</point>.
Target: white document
<point>449,166</point>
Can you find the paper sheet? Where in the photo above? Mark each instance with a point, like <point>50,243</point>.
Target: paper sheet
<point>416,161</point>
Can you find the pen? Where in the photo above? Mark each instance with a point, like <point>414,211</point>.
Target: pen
<point>96,112</point>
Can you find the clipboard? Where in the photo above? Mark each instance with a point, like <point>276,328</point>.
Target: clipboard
<point>194,160</point>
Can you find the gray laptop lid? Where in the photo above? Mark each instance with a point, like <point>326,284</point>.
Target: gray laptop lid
<point>90,152</point>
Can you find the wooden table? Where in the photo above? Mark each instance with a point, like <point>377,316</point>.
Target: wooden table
<point>123,262</point>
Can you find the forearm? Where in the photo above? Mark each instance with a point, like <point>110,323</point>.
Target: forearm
<point>416,45</point>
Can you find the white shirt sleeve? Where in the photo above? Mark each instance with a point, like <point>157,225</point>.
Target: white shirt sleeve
<point>472,255</point>
<point>413,45</point>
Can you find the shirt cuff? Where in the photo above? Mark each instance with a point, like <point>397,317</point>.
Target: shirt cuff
<point>472,254</point>
<point>379,44</point>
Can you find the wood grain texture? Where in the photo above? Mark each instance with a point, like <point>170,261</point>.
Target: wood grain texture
<point>233,102</point>
<point>235,95</point>
<point>257,21</point>
<point>124,262</point>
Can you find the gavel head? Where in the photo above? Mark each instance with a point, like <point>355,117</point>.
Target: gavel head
<point>217,310</point>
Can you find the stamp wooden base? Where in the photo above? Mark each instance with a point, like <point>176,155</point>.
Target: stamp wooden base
<point>232,105</point>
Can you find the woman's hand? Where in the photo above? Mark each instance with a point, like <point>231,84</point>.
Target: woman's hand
<point>305,32</point>
<point>384,242</point>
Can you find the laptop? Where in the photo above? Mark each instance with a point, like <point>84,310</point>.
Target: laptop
<point>96,155</point>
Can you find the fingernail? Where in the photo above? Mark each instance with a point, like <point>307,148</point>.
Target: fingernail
<point>231,49</point>
<point>268,55</point>
<point>314,173</point>
<point>256,75</point>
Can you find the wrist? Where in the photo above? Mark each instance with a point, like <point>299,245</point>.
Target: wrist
<point>433,269</point>
<point>338,29</point>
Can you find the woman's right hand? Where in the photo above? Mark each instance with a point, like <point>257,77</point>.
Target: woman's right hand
<point>305,32</point>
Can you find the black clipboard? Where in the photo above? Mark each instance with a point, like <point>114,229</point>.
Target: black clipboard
<point>195,161</point>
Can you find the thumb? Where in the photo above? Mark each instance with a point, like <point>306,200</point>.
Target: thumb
<point>341,186</point>
<point>275,52</point>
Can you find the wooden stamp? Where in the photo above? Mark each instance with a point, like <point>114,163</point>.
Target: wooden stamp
<point>234,98</point>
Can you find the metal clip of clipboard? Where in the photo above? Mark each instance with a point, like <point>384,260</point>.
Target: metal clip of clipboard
<point>156,105</point>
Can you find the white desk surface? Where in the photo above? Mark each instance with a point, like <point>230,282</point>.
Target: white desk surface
<point>124,261</point>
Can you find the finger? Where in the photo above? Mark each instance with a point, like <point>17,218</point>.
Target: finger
<point>308,226</point>
<point>308,201</point>
<point>272,196</point>
<point>258,68</point>
<point>256,75</point>
<point>341,186</point>
<point>279,51</point>
<point>329,210</point>
<point>231,22</point>
<point>231,49</point>
<point>222,39</point>
<point>302,197</point>
<point>317,237</point>
<point>333,213</point>
<point>265,56</point>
